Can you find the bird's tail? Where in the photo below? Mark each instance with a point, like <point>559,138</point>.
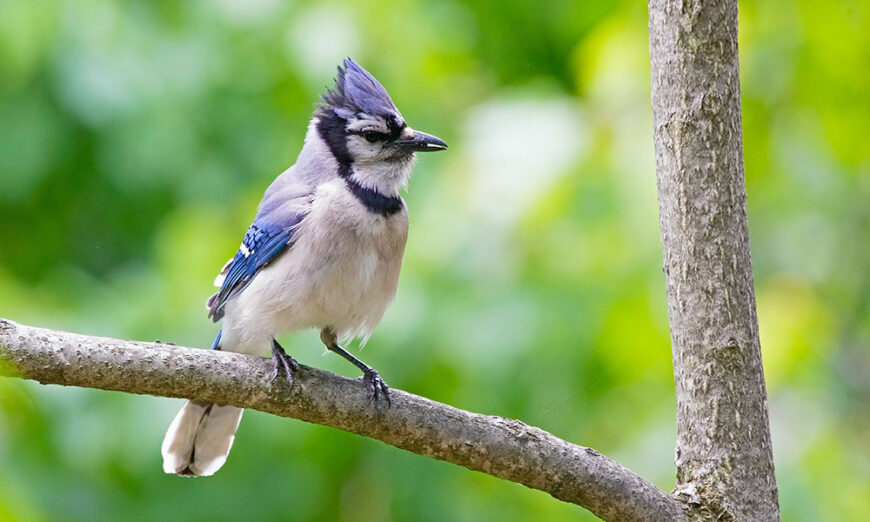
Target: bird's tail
<point>199,439</point>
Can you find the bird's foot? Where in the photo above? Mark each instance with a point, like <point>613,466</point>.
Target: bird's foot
<point>379,392</point>
<point>283,361</point>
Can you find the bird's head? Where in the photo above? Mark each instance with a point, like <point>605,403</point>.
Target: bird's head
<point>361,125</point>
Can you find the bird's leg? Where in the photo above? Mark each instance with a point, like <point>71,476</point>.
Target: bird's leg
<point>378,389</point>
<point>282,360</point>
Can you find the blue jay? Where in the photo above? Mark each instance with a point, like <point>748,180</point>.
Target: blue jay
<point>324,251</point>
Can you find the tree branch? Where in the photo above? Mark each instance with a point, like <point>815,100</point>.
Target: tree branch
<point>724,455</point>
<point>500,447</point>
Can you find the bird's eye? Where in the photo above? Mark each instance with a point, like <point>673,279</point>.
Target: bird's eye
<point>372,136</point>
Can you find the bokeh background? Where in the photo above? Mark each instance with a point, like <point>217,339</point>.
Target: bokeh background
<point>137,137</point>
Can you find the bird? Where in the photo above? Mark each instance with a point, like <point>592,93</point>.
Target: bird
<point>324,251</point>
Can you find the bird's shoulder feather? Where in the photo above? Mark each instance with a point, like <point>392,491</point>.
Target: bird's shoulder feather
<point>285,205</point>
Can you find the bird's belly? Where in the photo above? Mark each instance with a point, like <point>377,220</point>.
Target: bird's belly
<point>351,294</point>
<point>347,287</point>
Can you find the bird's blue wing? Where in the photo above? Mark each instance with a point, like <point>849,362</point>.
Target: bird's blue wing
<point>262,244</point>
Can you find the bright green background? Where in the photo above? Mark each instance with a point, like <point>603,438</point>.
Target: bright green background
<point>137,137</point>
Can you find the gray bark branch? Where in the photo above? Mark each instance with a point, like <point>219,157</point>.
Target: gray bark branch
<point>724,457</point>
<point>497,446</point>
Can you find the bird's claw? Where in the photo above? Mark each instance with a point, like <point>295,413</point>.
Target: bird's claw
<point>285,362</point>
<point>379,392</point>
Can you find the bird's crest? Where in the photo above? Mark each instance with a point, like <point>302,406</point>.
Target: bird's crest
<point>356,90</point>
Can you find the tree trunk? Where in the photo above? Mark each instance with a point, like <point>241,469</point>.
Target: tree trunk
<point>723,455</point>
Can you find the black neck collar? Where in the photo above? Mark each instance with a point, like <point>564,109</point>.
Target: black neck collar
<point>373,200</point>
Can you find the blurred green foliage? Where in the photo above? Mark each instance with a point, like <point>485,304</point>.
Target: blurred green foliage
<point>137,137</point>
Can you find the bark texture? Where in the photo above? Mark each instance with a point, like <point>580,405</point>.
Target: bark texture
<point>497,446</point>
<point>723,454</point>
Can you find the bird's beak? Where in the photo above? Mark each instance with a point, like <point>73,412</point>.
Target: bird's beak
<point>420,141</point>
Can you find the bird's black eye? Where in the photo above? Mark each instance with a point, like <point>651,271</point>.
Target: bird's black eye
<point>372,136</point>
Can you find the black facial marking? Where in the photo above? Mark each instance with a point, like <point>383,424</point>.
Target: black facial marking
<point>372,136</point>
<point>373,200</point>
<point>396,126</point>
<point>333,130</point>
